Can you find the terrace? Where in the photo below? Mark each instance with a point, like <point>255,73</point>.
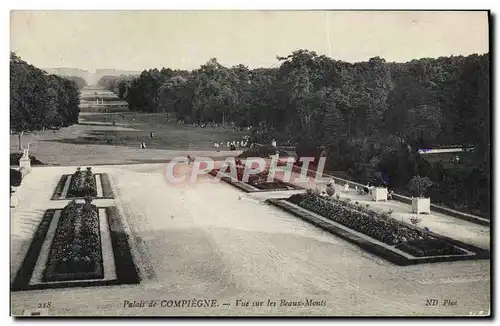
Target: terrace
<point>212,240</point>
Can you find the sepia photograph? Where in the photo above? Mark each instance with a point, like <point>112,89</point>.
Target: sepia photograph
<point>254,163</point>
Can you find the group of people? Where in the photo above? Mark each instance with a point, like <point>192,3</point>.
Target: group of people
<point>231,145</point>
<point>367,190</point>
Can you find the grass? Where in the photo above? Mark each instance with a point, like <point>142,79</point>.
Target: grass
<point>23,276</point>
<point>126,270</point>
<point>107,191</point>
<point>96,141</point>
<point>168,135</point>
<point>60,186</point>
<point>466,159</point>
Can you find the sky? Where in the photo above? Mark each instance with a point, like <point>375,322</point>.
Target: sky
<point>137,40</point>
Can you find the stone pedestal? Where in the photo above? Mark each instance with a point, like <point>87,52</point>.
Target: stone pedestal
<point>25,162</point>
<point>14,201</point>
<point>421,205</point>
<point>379,194</point>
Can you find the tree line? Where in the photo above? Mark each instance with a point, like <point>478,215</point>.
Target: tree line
<point>370,118</point>
<point>40,101</point>
<point>426,102</point>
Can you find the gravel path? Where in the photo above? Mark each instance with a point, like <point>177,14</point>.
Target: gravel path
<point>211,241</point>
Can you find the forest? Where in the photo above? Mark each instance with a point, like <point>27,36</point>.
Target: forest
<point>41,101</point>
<point>370,118</point>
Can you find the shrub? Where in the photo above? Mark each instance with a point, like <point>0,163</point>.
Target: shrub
<point>15,178</point>
<point>418,185</point>
<point>15,157</point>
<point>415,220</point>
<point>308,148</point>
<point>263,151</point>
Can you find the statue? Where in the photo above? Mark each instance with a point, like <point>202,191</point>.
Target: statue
<point>25,162</point>
<point>26,151</point>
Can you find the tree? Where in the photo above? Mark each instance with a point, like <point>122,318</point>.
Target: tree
<point>422,126</point>
<point>39,100</point>
<point>418,185</point>
<point>79,81</point>
<point>369,116</point>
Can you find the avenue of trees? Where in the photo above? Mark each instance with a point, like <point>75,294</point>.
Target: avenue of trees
<point>79,81</point>
<point>370,118</point>
<point>41,101</point>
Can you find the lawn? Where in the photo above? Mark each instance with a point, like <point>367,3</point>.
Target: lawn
<point>96,141</point>
<point>466,159</point>
<point>168,135</point>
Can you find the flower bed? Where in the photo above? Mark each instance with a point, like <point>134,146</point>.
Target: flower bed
<point>258,181</point>
<point>429,247</point>
<point>378,226</point>
<point>76,251</point>
<point>82,184</point>
<point>126,271</point>
<point>61,194</point>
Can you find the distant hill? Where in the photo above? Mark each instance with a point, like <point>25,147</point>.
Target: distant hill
<point>69,72</point>
<point>99,73</point>
<point>90,78</point>
<point>116,72</point>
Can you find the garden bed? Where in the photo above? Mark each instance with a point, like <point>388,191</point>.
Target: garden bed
<point>100,190</point>
<point>256,183</point>
<point>76,252</point>
<point>398,242</point>
<point>82,183</point>
<point>124,269</point>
